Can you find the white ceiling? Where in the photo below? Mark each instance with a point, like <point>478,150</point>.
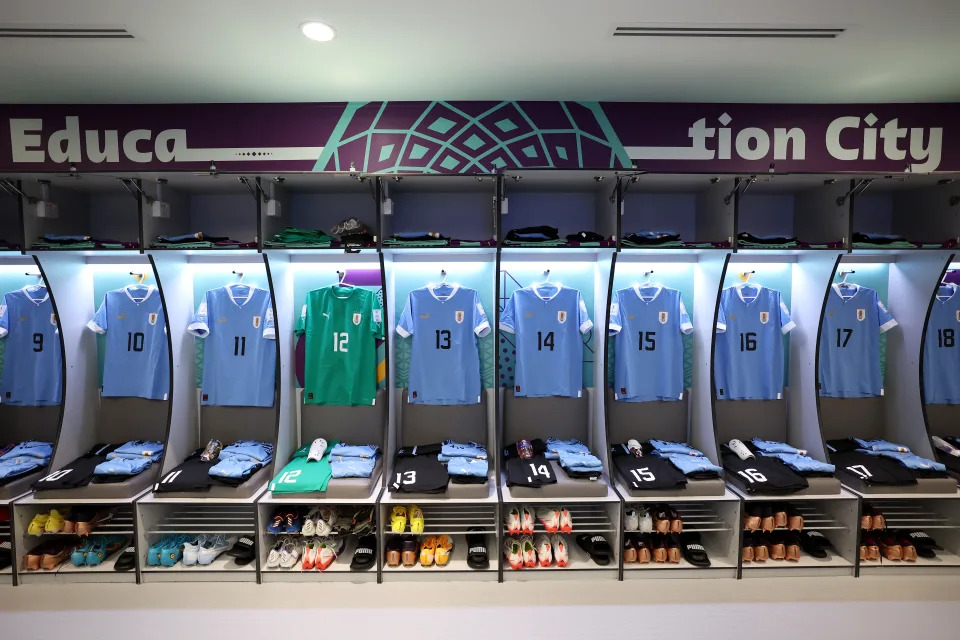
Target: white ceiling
<point>246,51</point>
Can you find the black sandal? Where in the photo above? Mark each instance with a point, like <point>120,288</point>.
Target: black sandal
<point>597,547</point>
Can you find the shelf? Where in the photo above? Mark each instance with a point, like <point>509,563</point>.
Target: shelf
<point>458,562</point>
<point>579,560</point>
<point>223,563</point>
<point>806,562</point>
<point>450,519</point>
<point>225,519</point>
<point>715,563</point>
<point>340,565</point>
<point>585,518</point>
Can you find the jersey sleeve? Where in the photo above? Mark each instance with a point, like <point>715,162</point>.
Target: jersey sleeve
<point>199,326</point>
<point>885,319</point>
<point>616,320</point>
<point>405,327</point>
<point>786,324</point>
<point>301,326</point>
<point>507,321</point>
<point>99,322</point>
<point>376,317</point>
<point>721,317</point>
<point>686,326</point>
<point>269,326</point>
<point>481,326</point>
<point>4,318</point>
<point>583,316</point>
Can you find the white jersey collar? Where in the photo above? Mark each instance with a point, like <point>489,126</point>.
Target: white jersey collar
<point>150,289</point>
<point>536,290</point>
<point>432,288</point>
<point>36,287</point>
<point>250,290</point>
<point>953,291</point>
<point>745,285</point>
<point>658,287</point>
<point>836,289</point>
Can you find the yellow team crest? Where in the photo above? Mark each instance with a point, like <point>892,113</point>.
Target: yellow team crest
<point>458,315</point>
<point>561,316</point>
<point>861,314</point>
<point>256,322</point>
<point>357,318</point>
<point>53,319</point>
<point>152,319</point>
<point>958,315</point>
<point>663,317</point>
<point>764,317</point>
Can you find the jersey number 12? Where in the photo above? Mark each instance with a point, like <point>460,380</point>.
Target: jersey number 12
<point>340,341</point>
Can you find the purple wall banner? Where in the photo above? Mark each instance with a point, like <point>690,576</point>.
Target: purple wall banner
<point>482,137</point>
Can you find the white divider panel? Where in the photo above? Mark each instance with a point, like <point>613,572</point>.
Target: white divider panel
<point>72,287</point>
<point>281,276</point>
<point>809,275</point>
<point>176,279</point>
<point>707,277</point>
<point>913,280</point>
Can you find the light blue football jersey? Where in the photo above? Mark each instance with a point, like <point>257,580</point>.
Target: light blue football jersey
<point>850,342</point>
<point>444,359</point>
<point>547,322</point>
<point>32,365</point>
<point>239,352</point>
<point>748,357</point>
<point>136,361</point>
<point>941,353</point>
<point>649,323</point>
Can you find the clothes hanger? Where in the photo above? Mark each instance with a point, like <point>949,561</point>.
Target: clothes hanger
<point>951,285</point>
<point>745,284</point>
<point>648,282</point>
<point>341,276</point>
<point>139,286</point>
<point>843,284</point>
<point>40,284</point>
<point>546,282</point>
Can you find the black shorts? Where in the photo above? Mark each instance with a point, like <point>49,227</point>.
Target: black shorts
<point>872,469</point>
<point>763,475</point>
<point>529,472</point>
<point>419,474</point>
<point>78,473</point>
<point>192,475</point>
<point>649,472</point>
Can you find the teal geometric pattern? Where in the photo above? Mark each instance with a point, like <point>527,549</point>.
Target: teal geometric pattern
<point>471,137</point>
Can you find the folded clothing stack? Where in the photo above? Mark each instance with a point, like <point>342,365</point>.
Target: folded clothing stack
<point>796,459</point>
<point>652,238</point>
<point>760,474</point>
<point>526,464</point>
<point>308,470</point>
<point>749,240</point>
<point>351,232</point>
<point>587,239</point>
<point>417,239</point>
<point>19,460</point>
<point>73,243</point>
<point>880,241</point>
<point>466,462</point>
<point>690,461</point>
<point>574,457</point>
<point>920,467</point>
<point>200,240</point>
<point>665,239</point>
<point>417,469</point>
<point>128,460</point>
<point>541,236</point>
<point>6,245</point>
<point>659,464</point>
<point>353,460</point>
<point>293,237</point>
<point>237,462</point>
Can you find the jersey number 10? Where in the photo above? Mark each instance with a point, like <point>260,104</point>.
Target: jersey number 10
<point>135,341</point>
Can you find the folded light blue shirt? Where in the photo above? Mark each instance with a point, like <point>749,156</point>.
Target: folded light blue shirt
<point>578,461</point>
<point>475,467</point>
<point>881,445</point>
<point>355,450</point>
<point>907,459</point>
<point>451,449</point>
<point>663,446</point>
<point>688,464</point>
<point>770,446</point>
<point>555,446</point>
<point>799,462</point>
<point>351,467</point>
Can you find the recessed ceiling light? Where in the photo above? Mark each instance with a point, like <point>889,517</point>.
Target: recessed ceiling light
<point>318,31</point>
